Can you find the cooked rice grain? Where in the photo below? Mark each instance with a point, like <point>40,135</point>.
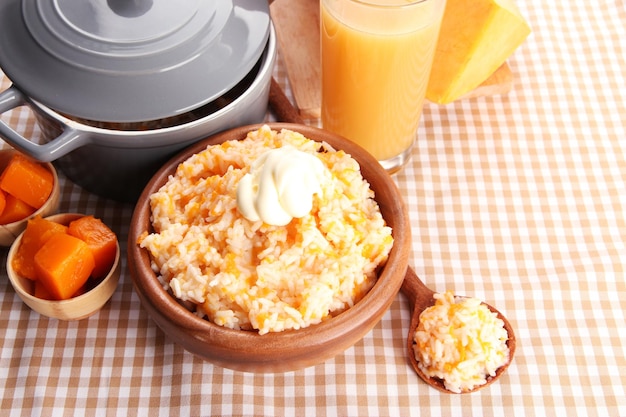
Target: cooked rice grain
<point>460,341</point>
<point>251,275</point>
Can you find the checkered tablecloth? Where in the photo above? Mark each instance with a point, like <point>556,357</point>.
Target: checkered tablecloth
<point>519,200</point>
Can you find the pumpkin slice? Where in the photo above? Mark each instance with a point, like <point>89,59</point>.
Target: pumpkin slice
<point>42,292</point>
<point>37,232</point>
<point>27,180</point>
<point>14,210</point>
<point>63,265</point>
<point>475,38</point>
<point>101,240</point>
<point>3,201</point>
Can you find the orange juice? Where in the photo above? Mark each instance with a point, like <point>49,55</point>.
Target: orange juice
<point>376,60</point>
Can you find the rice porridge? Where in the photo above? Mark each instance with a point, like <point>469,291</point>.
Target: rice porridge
<point>248,274</point>
<point>460,341</point>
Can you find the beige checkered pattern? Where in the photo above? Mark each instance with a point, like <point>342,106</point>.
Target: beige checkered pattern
<point>519,200</point>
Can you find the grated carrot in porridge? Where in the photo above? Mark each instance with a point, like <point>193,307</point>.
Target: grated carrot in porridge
<point>249,275</point>
<point>460,341</point>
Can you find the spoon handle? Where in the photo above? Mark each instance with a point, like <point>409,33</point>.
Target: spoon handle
<point>418,294</point>
<point>284,110</point>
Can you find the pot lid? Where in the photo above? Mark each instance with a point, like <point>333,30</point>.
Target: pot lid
<point>130,60</point>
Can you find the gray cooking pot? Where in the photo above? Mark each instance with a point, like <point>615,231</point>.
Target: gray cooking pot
<point>115,156</point>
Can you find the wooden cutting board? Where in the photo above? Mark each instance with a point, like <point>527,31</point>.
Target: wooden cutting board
<point>298,34</point>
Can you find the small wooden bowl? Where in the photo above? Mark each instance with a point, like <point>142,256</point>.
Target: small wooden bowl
<point>75,308</point>
<point>8,232</point>
<point>282,351</point>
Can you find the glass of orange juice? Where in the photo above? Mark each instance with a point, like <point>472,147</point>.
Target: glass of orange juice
<point>376,61</point>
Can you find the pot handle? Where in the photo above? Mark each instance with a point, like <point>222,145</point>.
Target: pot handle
<point>63,144</point>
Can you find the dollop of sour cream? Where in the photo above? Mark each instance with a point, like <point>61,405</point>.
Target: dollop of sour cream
<point>280,186</point>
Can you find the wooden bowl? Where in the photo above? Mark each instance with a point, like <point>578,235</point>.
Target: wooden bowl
<point>9,231</point>
<point>280,351</point>
<point>76,308</point>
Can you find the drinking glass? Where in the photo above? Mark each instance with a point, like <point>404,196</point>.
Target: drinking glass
<point>376,61</point>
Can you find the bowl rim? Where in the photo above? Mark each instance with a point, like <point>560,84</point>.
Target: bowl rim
<point>380,295</point>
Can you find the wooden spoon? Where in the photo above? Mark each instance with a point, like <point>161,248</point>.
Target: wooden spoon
<point>421,297</point>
